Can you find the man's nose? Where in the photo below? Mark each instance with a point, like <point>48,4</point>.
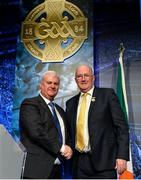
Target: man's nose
<point>52,85</point>
<point>83,77</point>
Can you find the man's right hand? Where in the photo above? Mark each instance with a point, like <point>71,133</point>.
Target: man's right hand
<point>66,152</point>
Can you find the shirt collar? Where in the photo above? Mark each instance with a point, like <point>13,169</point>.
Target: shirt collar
<point>45,99</point>
<point>90,92</point>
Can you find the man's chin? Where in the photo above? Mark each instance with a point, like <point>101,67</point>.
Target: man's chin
<point>52,95</point>
<point>84,90</point>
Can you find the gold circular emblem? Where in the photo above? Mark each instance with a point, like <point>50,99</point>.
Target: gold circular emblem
<point>54,30</point>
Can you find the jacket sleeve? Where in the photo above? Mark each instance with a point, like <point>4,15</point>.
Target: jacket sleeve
<point>35,129</point>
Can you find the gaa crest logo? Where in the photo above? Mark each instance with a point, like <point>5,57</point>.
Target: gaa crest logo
<point>54,30</point>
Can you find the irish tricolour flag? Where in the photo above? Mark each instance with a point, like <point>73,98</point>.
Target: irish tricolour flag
<point>121,93</point>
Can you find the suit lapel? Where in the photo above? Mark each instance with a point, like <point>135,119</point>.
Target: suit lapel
<point>92,104</point>
<point>44,109</point>
<point>42,102</point>
<point>91,115</point>
<point>92,118</point>
<point>74,111</point>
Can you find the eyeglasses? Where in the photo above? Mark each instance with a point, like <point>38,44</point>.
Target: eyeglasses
<point>81,76</point>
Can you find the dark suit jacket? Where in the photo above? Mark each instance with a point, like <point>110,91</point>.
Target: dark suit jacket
<point>108,130</point>
<point>39,135</point>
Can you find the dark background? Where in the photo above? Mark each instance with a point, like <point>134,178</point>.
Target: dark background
<point>115,22</point>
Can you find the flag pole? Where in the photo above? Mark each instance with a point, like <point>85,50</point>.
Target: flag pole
<point>121,88</point>
<point>121,49</point>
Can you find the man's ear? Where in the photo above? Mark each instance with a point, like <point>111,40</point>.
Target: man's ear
<point>93,78</point>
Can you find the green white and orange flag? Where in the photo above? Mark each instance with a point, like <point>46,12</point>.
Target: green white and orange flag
<point>121,93</point>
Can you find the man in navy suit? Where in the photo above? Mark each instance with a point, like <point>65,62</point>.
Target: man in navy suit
<point>106,138</point>
<point>46,142</point>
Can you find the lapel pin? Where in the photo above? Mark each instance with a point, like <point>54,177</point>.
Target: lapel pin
<point>93,99</point>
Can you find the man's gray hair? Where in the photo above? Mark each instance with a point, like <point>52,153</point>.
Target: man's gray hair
<point>52,73</point>
<point>89,66</point>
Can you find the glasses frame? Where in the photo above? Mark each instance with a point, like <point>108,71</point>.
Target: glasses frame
<point>82,76</point>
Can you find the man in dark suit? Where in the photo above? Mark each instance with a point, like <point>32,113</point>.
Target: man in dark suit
<point>101,142</point>
<point>42,133</point>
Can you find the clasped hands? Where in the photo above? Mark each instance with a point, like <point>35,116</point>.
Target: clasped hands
<point>66,151</point>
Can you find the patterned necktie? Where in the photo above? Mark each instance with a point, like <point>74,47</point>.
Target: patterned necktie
<point>56,121</point>
<point>80,144</point>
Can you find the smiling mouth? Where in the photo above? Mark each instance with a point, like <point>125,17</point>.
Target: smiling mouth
<point>84,83</point>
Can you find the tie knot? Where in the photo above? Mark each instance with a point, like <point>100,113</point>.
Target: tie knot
<point>85,95</point>
<point>51,104</point>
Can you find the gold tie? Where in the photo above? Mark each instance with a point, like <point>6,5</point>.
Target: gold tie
<point>80,144</point>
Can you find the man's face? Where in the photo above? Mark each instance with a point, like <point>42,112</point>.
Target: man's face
<point>49,86</point>
<point>84,78</point>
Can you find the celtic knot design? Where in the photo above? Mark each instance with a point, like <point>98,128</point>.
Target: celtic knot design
<point>54,30</point>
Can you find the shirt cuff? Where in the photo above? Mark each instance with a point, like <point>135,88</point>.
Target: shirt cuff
<point>62,148</point>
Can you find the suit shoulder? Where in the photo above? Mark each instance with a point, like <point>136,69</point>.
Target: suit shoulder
<point>72,98</point>
<point>102,89</point>
<point>32,100</point>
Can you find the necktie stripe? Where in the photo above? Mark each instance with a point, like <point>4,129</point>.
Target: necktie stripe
<point>56,121</point>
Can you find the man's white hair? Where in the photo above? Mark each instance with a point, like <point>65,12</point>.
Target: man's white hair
<point>87,65</point>
<point>50,73</point>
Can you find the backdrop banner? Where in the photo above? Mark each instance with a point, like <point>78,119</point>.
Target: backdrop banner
<point>55,35</point>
